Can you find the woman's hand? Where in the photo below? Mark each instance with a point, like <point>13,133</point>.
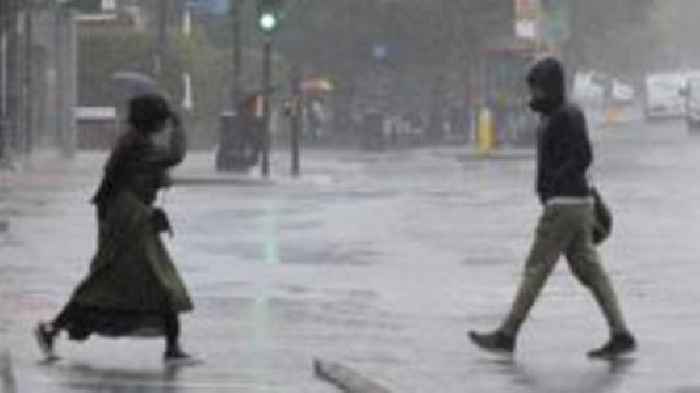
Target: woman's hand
<point>161,222</point>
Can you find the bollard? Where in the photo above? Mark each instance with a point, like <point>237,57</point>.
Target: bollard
<point>485,131</point>
<point>613,115</point>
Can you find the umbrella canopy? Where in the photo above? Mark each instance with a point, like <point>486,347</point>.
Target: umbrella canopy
<point>131,84</point>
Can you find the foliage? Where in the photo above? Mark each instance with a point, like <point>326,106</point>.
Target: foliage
<point>676,35</point>
<point>613,36</point>
<point>101,54</point>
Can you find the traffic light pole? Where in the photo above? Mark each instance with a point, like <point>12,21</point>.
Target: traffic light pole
<point>296,113</point>
<point>268,20</point>
<point>267,52</point>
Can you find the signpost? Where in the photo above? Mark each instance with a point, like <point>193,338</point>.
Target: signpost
<point>556,21</point>
<point>526,19</point>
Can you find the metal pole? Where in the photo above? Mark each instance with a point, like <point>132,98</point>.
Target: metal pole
<point>13,73</point>
<point>187,101</point>
<point>3,79</point>
<point>28,80</point>
<point>267,49</point>
<point>162,39</point>
<point>236,11</point>
<point>186,12</point>
<point>71,75</point>
<point>295,120</point>
<point>20,74</point>
<point>59,88</point>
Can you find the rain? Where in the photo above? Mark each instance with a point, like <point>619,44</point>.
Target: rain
<point>344,195</point>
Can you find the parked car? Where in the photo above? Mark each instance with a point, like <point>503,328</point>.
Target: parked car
<point>586,89</point>
<point>663,98</point>
<point>590,88</point>
<point>622,93</point>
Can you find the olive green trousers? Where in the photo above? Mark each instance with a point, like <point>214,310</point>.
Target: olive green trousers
<point>565,229</point>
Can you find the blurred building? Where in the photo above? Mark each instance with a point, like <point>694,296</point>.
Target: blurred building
<point>37,76</point>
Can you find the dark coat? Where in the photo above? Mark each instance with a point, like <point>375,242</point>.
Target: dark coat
<point>132,271</point>
<point>564,151</point>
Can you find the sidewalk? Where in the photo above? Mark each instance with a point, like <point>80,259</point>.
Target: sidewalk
<point>44,171</point>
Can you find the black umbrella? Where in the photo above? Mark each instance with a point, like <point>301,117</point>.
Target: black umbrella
<point>131,84</point>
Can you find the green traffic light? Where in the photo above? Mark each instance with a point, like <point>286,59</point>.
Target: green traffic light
<point>268,21</point>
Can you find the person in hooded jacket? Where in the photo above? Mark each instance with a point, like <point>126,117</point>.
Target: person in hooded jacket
<point>566,225</point>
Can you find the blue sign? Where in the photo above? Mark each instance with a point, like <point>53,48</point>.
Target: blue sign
<point>380,51</point>
<point>557,20</point>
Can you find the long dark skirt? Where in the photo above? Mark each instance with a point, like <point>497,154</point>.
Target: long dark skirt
<point>133,287</point>
<point>82,321</point>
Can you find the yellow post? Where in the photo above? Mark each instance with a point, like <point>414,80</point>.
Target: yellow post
<point>485,131</point>
<point>613,115</point>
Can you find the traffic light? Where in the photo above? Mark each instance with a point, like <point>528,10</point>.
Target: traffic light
<point>269,15</point>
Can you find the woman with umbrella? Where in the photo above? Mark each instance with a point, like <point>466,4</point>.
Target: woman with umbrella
<point>132,287</point>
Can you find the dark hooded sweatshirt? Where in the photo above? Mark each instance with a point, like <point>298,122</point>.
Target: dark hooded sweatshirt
<point>563,150</point>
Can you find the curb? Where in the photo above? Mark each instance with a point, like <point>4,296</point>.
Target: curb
<point>497,156</point>
<point>345,379</point>
<point>220,181</point>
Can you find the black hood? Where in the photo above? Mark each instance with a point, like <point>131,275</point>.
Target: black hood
<point>548,74</point>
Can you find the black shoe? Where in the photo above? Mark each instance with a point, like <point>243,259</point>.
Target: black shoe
<point>497,341</point>
<point>45,338</point>
<point>619,344</point>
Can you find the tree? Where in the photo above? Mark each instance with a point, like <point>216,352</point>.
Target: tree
<point>613,36</point>
<point>676,29</point>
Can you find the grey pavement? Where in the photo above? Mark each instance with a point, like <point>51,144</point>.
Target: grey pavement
<point>379,261</point>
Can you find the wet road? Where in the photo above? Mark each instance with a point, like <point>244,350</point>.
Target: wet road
<point>379,261</point>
